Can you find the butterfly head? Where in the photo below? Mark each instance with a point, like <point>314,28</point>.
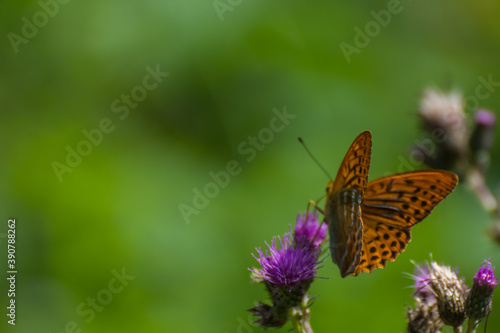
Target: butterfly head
<point>329,187</point>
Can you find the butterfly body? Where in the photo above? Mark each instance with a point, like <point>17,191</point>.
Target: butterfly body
<point>370,222</point>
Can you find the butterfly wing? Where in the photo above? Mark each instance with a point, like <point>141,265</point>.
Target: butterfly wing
<point>404,199</point>
<point>342,210</point>
<point>394,204</point>
<point>353,171</point>
<point>381,243</point>
<point>343,216</point>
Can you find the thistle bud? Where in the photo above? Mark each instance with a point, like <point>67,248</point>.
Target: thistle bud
<point>478,304</point>
<point>443,117</point>
<point>481,140</point>
<point>269,316</point>
<point>483,134</point>
<point>450,292</point>
<point>424,317</point>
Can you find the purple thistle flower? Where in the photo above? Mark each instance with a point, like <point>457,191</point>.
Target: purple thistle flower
<point>484,277</point>
<point>480,298</point>
<point>307,230</point>
<point>485,118</point>
<point>287,266</point>
<point>288,271</point>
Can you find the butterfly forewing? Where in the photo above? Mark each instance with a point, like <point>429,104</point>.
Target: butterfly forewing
<point>404,199</point>
<point>353,172</point>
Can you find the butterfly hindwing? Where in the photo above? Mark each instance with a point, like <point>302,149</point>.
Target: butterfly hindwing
<point>404,199</point>
<point>343,215</point>
<point>381,243</point>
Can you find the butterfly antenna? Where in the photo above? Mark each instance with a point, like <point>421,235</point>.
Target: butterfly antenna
<point>314,159</point>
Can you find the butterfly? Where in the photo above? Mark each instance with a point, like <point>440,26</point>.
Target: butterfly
<point>370,222</point>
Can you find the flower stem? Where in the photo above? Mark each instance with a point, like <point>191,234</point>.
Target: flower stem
<point>457,329</point>
<point>471,326</point>
<point>300,316</point>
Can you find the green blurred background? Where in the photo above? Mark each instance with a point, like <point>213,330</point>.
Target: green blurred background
<point>119,207</point>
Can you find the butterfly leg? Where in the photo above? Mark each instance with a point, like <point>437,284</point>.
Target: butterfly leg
<point>313,203</point>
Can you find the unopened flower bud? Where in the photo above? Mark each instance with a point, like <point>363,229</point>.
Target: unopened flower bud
<point>482,137</point>
<point>478,304</point>
<point>450,292</point>
<point>444,119</point>
<point>424,318</point>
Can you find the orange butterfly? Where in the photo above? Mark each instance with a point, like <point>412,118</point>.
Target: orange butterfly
<point>370,223</point>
